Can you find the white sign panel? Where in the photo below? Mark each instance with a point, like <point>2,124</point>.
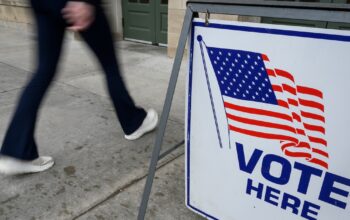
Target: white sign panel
<point>268,122</point>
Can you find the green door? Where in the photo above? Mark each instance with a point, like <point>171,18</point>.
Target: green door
<point>146,20</point>
<point>319,24</point>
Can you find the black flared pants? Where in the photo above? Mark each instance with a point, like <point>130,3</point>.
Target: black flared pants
<point>19,141</point>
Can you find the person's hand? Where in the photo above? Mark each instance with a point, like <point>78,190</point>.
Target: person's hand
<point>79,15</point>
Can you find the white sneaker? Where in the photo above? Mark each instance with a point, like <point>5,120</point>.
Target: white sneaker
<point>148,124</point>
<point>12,166</point>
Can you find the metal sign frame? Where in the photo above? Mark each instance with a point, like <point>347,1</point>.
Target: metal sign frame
<point>329,12</point>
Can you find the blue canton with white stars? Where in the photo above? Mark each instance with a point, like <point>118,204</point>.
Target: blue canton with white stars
<point>242,75</point>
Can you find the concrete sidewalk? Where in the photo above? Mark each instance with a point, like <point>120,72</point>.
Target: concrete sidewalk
<point>98,174</point>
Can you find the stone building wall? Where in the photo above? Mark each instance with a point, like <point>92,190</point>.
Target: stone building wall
<point>15,13</point>
<point>176,13</point>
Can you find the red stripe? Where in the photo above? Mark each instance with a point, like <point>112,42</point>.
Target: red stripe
<point>318,140</point>
<point>258,111</point>
<point>311,104</point>
<point>264,57</point>
<point>261,123</point>
<point>277,88</point>
<point>262,134</point>
<point>315,128</point>
<point>270,72</point>
<point>289,89</point>
<point>284,146</point>
<point>310,91</point>
<point>301,132</point>
<point>300,145</point>
<point>303,144</point>
<point>319,162</point>
<point>296,117</point>
<point>284,87</point>
<point>312,116</point>
<point>284,74</point>
<point>293,102</point>
<point>283,103</point>
<point>320,152</point>
<point>297,154</point>
<point>306,156</point>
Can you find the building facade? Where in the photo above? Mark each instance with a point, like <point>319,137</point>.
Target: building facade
<point>153,21</point>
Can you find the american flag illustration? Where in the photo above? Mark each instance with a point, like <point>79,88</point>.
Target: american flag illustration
<point>266,102</point>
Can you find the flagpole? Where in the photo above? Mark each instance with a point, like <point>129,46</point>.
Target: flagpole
<point>200,40</point>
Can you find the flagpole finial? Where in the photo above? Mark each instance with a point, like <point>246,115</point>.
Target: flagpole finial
<point>199,38</point>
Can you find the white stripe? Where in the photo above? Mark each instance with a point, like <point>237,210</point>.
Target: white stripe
<point>268,64</point>
<point>259,117</point>
<point>313,122</point>
<point>311,110</point>
<point>295,149</point>
<point>267,130</point>
<point>310,98</point>
<point>314,134</point>
<point>257,105</point>
<point>320,157</point>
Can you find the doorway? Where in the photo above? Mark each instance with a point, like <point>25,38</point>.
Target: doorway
<point>146,20</point>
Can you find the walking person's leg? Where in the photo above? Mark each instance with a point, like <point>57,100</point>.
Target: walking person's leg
<point>19,152</point>
<point>135,121</point>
